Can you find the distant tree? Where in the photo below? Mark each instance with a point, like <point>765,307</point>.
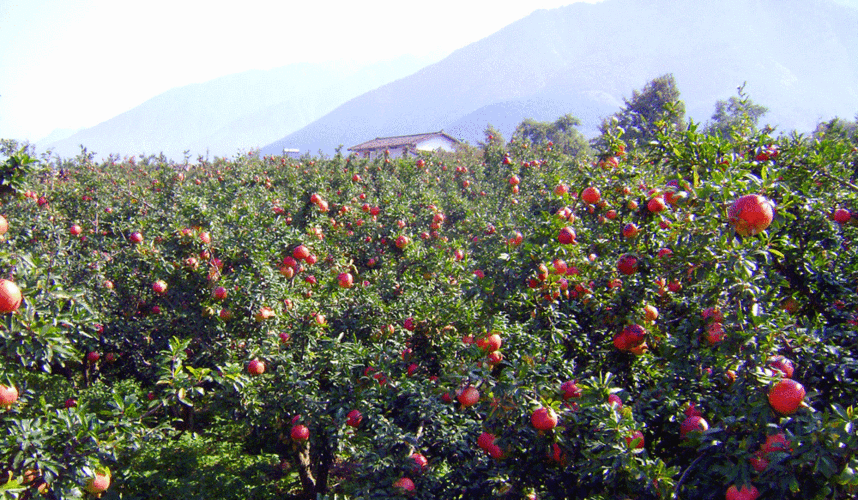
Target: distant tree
<point>837,128</point>
<point>562,132</point>
<point>492,136</point>
<point>656,106</point>
<point>738,114</point>
<point>493,146</point>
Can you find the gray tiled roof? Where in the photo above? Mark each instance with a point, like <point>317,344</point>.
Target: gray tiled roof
<point>399,141</point>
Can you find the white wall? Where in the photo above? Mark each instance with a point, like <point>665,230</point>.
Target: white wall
<point>435,143</point>
<point>427,145</point>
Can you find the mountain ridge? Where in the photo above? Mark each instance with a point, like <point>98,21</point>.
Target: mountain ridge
<point>797,57</point>
<point>609,49</point>
<point>222,116</point>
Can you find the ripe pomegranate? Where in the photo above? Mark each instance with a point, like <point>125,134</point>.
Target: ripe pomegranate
<point>97,484</point>
<point>650,313</point>
<point>630,231</point>
<point>615,401</point>
<point>627,264</point>
<point>263,314</point>
<point>564,213</point>
<point>486,442</point>
<point>404,484</point>
<point>570,390</point>
<point>714,314</point>
<point>567,236</point>
<point>656,204</point>
<point>491,343</point>
<point>354,418</point>
<point>301,252</point>
<point>842,216</point>
<point>345,280</point>
<point>421,463</point>
<point>634,436</point>
<point>300,433</point>
<point>621,342</point>
<point>715,333</point>
<point>8,395</point>
<point>469,396</point>
<point>544,419</point>
<point>256,367</point>
<point>591,195</point>
<point>10,296</point>
<point>635,334</point>
<point>781,364</point>
<point>746,492</point>
<point>557,454</point>
<point>758,461</point>
<point>751,214</point>
<point>786,396</point>
<point>776,442</point>
<point>693,424</point>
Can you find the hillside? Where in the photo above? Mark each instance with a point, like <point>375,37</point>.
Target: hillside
<point>799,58</point>
<point>233,113</point>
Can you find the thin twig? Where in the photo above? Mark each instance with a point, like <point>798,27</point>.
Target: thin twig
<point>682,477</point>
<point>417,437</point>
<point>838,179</point>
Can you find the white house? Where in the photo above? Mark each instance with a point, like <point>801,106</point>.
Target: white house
<point>406,145</point>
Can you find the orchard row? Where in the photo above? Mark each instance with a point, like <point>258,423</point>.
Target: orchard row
<point>669,317</point>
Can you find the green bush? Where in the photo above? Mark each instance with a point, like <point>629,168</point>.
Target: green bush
<point>166,403</point>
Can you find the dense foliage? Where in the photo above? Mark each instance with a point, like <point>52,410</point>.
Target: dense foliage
<point>511,320</point>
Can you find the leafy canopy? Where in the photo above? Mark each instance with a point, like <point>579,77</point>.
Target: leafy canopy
<point>737,115</point>
<point>654,108</point>
<point>562,133</point>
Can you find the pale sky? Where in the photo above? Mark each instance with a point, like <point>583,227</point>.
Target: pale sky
<point>77,63</point>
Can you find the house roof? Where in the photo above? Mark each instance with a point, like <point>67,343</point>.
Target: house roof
<point>399,141</point>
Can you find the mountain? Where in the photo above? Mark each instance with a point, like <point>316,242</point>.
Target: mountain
<point>232,113</point>
<point>797,57</point>
<point>58,135</point>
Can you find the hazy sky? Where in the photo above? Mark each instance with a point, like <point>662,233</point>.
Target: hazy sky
<point>76,63</point>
